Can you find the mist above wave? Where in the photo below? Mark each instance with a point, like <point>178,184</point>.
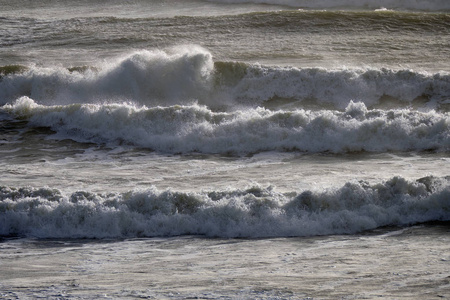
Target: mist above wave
<point>253,212</point>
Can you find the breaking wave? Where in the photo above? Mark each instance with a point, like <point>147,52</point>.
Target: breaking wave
<point>195,128</point>
<point>147,77</point>
<point>253,212</point>
<point>184,75</point>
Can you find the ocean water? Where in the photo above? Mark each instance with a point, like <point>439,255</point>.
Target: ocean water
<point>133,125</point>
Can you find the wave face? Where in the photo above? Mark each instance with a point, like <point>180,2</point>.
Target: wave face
<point>184,75</point>
<point>253,212</point>
<point>420,5</point>
<point>194,128</point>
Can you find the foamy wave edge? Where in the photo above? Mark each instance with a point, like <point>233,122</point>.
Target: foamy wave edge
<point>195,128</point>
<point>253,212</point>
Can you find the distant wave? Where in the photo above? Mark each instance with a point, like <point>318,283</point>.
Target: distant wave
<point>253,212</point>
<point>420,5</point>
<point>195,128</point>
<point>188,74</point>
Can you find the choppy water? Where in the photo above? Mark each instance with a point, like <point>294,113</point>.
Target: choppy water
<point>223,118</point>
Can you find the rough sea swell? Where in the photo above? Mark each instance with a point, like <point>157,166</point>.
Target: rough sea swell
<point>254,212</point>
<point>223,149</point>
<point>179,100</point>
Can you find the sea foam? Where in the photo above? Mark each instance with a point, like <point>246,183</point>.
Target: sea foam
<point>252,212</point>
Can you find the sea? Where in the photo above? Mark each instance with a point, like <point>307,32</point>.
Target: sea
<point>227,149</point>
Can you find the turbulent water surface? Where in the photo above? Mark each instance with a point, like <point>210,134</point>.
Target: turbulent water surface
<point>224,119</point>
